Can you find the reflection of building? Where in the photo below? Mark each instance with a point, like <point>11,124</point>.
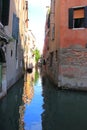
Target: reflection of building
<point>28,88</point>
<point>48,115</point>
<point>27,96</point>
<point>28,92</point>
<point>21,119</point>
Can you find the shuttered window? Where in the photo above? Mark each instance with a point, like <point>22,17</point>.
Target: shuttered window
<point>15,27</point>
<point>85,12</point>
<point>70,18</point>
<point>78,17</point>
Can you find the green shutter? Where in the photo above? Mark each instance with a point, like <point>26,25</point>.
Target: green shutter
<point>70,17</point>
<point>15,27</point>
<point>85,9</point>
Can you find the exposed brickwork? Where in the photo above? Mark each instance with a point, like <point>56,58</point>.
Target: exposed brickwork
<point>73,57</point>
<point>52,71</point>
<point>73,67</point>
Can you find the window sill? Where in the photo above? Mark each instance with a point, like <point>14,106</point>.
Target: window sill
<point>78,28</point>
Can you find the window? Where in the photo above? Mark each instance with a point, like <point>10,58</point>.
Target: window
<point>0,10</point>
<point>4,11</point>
<point>56,55</point>
<point>15,27</point>
<point>78,17</point>
<point>53,32</point>
<point>26,5</point>
<point>11,53</point>
<point>79,23</point>
<point>51,59</point>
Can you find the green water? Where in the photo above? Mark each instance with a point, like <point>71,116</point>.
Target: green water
<point>49,109</point>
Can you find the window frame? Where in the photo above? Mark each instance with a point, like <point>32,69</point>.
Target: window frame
<point>71,17</point>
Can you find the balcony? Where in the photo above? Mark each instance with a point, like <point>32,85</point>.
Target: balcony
<point>3,35</point>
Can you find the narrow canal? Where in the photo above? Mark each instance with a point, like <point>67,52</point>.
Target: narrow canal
<point>33,103</point>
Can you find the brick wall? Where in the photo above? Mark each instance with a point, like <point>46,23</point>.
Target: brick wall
<point>73,68</point>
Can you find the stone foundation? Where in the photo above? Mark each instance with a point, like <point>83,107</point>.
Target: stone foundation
<point>73,68</point>
<point>69,71</point>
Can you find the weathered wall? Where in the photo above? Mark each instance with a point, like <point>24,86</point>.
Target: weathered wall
<point>52,45</point>
<point>73,68</point>
<point>57,23</point>
<point>73,52</point>
<point>13,65</point>
<point>73,36</point>
<point>69,64</point>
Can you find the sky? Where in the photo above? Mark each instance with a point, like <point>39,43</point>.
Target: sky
<point>37,17</point>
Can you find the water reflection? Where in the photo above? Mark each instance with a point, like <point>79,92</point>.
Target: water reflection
<point>63,110</point>
<point>36,75</point>
<point>28,92</point>
<point>9,107</point>
<point>37,105</point>
<point>32,113</point>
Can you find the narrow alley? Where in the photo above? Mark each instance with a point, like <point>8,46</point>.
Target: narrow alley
<point>35,104</point>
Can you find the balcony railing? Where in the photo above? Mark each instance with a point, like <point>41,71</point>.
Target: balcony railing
<point>3,35</point>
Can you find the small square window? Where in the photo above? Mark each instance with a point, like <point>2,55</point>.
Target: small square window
<point>78,17</point>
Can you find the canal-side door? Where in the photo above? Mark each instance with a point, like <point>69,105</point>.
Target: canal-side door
<point>0,77</point>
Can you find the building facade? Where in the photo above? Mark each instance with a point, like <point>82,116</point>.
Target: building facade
<point>66,62</point>
<point>13,18</point>
<point>30,45</point>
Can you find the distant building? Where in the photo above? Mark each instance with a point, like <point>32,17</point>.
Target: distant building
<point>47,30</point>
<point>30,45</point>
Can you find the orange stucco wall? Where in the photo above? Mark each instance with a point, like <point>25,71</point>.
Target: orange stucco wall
<point>57,23</point>
<point>68,36</point>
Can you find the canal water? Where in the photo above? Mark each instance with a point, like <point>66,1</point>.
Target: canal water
<point>34,103</point>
